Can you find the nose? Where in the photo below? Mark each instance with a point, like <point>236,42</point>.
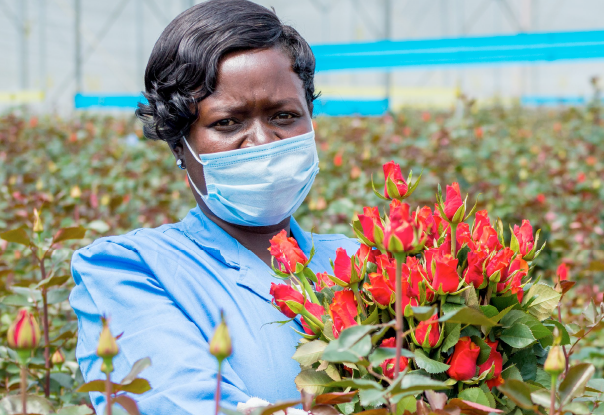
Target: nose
<point>259,134</point>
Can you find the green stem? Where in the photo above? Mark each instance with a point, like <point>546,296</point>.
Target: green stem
<point>108,390</point>
<point>553,396</point>
<point>304,312</point>
<point>218,381</point>
<point>454,240</point>
<point>399,258</point>
<point>357,295</point>
<point>24,388</point>
<point>308,288</point>
<point>487,298</point>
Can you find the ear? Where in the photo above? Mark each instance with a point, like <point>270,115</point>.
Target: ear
<point>177,149</point>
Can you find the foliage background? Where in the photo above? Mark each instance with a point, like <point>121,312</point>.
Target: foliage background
<point>545,165</point>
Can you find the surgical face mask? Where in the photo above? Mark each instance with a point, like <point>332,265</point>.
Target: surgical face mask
<point>261,185</point>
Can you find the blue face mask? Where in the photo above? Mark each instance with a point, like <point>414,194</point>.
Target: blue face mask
<point>261,185</point>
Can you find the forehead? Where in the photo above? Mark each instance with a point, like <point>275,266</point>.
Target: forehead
<point>254,76</point>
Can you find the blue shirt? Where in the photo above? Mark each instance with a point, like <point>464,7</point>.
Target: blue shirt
<point>163,288</point>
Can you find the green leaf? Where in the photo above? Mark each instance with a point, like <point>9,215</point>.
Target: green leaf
<point>451,336</point>
<point>485,349</point>
<point>137,386</point>
<point>75,410</point>
<point>18,236</point>
<point>383,353</point>
<point>545,300</point>
<point>526,362</point>
<point>137,368</point>
<point>98,226</point>
<point>550,324</point>
<point>518,336</point>
<point>310,352</point>
<point>423,313</point>
<point>489,310</point>
<point>74,232</point>
<point>371,397</point>
<point>577,408</point>
<point>511,372</point>
<point>356,383</point>
<point>58,295</point>
<point>429,365</point>
<point>467,315</point>
<point>574,383</point>
<point>127,403</point>
<point>542,397</point>
<point>475,395</point>
<point>352,344</point>
<point>505,302</point>
<point>312,382</point>
<point>53,281</point>
<point>518,392</point>
<point>412,382</point>
<point>94,386</point>
<point>35,405</point>
<point>16,300</point>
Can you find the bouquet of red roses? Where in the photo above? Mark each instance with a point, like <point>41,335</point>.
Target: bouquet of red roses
<point>427,303</point>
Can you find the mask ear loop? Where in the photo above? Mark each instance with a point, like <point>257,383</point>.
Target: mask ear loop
<point>199,161</point>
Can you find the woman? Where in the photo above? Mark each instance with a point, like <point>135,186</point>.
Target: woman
<point>230,89</point>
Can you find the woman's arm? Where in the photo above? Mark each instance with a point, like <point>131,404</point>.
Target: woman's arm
<point>113,280</point>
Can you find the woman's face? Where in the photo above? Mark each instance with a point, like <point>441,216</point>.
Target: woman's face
<point>258,99</point>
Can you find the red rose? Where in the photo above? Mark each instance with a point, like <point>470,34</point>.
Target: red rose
<point>524,235</point>
<point>422,330</point>
<point>392,171</point>
<point>287,252</point>
<point>324,280</point>
<point>365,253</point>
<point>453,201</point>
<point>499,262</point>
<point>496,358</point>
<point>445,275</point>
<point>370,219</point>
<point>341,266</point>
<point>473,274</point>
<point>415,274</point>
<point>562,272</point>
<point>388,364</point>
<point>429,222</point>
<point>282,293</point>
<point>484,234</point>
<point>401,231</point>
<point>514,282</point>
<point>381,289</point>
<point>343,310</point>
<point>463,360</point>
<point>314,309</point>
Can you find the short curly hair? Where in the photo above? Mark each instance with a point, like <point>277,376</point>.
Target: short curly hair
<point>183,66</point>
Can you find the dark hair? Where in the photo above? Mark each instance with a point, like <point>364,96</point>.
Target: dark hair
<point>183,66</point>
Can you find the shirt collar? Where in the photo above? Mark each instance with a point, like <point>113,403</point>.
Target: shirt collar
<point>222,246</point>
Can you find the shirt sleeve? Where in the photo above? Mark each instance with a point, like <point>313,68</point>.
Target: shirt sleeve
<point>114,280</point>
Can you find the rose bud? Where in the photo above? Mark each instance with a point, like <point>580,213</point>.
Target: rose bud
<point>342,267</point>
<point>484,234</point>
<point>453,205</point>
<point>38,226</point>
<point>24,332</point>
<point>220,345</point>
<point>282,293</point>
<point>58,358</point>
<point>402,233</point>
<point>473,274</point>
<point>343,311</point>
<point>107,347</point>
<point>381,289</point>
<point>445,278</point>
<point>314,309</point>
<point>555,362</point>
<point>425,339</point>
<point>562,272</point>
<point>394,180</point>
<point>498,263</point>
<point>287,253</point>
<point>523,238</point>
<point>388,364</point>
<point>324,280</point>
<point>372,225</point>
<point>463,360</point>
<point>496,359</point>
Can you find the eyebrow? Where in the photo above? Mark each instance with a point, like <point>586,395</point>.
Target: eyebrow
<point>240,107</point>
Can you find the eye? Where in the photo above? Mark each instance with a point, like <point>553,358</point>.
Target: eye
<point>227,122</point>
<point>285,117</point>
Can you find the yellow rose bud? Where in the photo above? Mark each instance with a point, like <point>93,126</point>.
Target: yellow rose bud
<point>220,346</point>
<point>58,358</point>
<point>75,192</point>
<point>38,226</point>
<point>24,332</point>
<point>555,362</point>
<point>107,347</point>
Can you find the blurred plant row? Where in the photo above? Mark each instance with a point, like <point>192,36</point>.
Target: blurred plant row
<point>91,175</point>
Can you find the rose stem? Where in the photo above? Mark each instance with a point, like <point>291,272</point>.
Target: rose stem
<point>218,381</point>
<point>24,388</point>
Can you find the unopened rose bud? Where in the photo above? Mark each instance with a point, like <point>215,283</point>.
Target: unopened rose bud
<point>555,362</point>
<point>58,358</point>
<point>38,226</point>
<point>220,346</point>
<point>107,347</point>
<point>24,333</point>
<point>75,192</point>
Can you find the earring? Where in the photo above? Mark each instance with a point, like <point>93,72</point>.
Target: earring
<point>179,164</point>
